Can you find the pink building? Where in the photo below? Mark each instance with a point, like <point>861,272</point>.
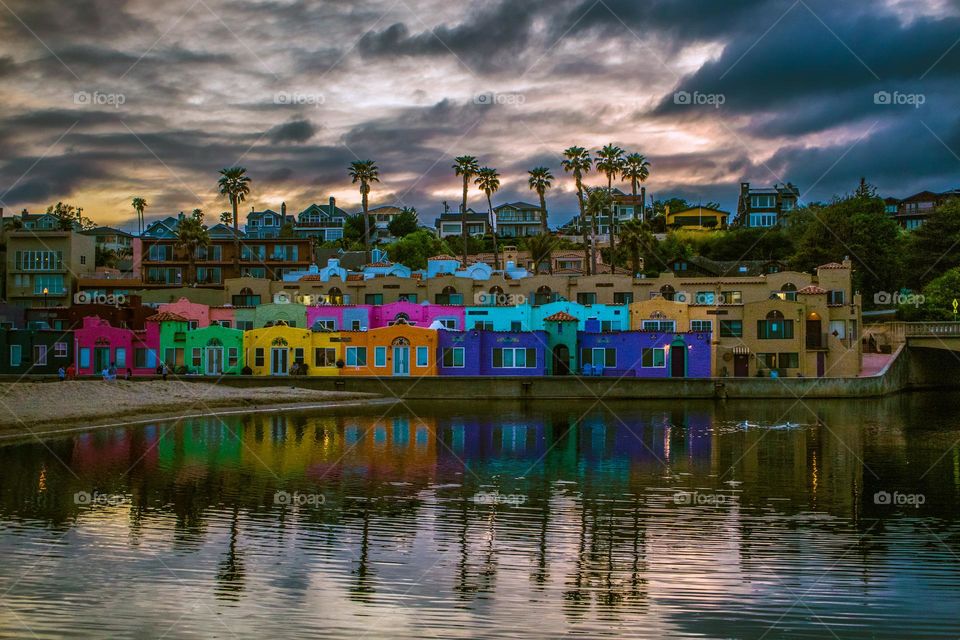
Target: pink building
<point>198,315</point>
<point>99,345</point>
<point>339,317</point>
<point>421,315</point>
<point>224,316</point>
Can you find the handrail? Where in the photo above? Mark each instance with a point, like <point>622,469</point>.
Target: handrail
<point>919,329</point>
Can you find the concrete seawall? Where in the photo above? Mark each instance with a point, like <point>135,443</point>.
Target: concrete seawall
<point>910,368</point>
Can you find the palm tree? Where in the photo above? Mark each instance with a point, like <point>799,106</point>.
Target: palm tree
<point>636,169</point>
<point>468,167</point>
<point>139,204</point>
<point>235,185</point>
<point>540,248</point>
<point>489,182</point>
<point>576,160</point>
<point>540,181</point>
<point>636,237</point>
<point>191,235</point>
<point>365,172</point>
<point>610,163</point>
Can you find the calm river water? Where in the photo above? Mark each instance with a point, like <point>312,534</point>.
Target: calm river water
<point>499,520</point>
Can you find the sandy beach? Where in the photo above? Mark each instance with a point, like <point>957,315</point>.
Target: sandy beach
<point>48,407</point>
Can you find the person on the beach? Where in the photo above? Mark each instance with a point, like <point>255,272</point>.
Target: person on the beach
<point>129,374</point>
<point>112,371</point>
<point>61,374</point>
<point>71,372</point>
<point>164,371</point>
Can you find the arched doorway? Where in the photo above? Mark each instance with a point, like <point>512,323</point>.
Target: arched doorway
<point>496,296</point>
<point>815,337</point>
<point>561,360</point>
<point>667,292</point>
<point>449,295</point>
<point>335,296</point>
<point>678,359</point>
<point>214,358</point>
<point>401,356</point>
<point>788,291</point>
<point>543,295</point>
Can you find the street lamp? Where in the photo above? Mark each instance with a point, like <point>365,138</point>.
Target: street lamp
<point>45,292</point>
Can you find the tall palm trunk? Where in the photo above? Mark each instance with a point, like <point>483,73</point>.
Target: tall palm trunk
<point>236,234</point>
<point>366,220</point>
<point>493,231</point>
<point>588,246</point>
<point>463,219</point>
<point>633,183</point>
<point>643,204</point>
<point>543,211</point>
<point>613,228</point>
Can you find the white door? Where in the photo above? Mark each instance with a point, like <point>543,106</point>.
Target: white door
<point>214,361</point>
<point>278,361</point>
<point>401,361</point>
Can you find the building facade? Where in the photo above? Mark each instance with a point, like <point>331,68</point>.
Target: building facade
<point>765,207</point>
<point>42,267</point>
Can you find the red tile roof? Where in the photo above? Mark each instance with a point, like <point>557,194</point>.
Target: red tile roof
<point>831,265</point>
<point>166,316</point>
<point>311,278</point>
<point>812,290</point>
<point>442,256</point>
<point>354,276</point>
<point>560,316</point>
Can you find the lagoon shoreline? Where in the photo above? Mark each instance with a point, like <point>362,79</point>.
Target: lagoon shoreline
<point>34,409</point>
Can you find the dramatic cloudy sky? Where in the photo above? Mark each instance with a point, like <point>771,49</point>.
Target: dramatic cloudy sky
<point>295,90</point>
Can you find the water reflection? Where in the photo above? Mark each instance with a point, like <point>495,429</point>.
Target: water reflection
<point>683,518</point>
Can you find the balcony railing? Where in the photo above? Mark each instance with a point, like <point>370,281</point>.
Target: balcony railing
<point>914,329</point>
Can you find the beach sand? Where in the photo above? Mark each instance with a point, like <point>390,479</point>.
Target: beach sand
<point>44,407</point>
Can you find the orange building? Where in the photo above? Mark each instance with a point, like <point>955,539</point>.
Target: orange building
<point>397,350</point>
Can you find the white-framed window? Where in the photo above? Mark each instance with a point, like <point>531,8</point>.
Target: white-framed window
<point>701,325</point>
<point>39,354</point>
<point>653,358</point>
<point>233,356</point>
<point>514,358</point>
<point>324,357</point>
<point>197,354</point>
<point>380,356</point>
<point>59,349</point>
<point>356,356</point>
<point>599,356</point>
<point>763,201</point>
<point>452,357</point>
<point>448,323</point>
<point>662,326</point>
<point>763,219</point>
<point>423,356</point>
<point>329,325</point>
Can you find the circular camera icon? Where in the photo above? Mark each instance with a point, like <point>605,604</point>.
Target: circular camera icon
<point>82,498</point>
<point>282,498</point>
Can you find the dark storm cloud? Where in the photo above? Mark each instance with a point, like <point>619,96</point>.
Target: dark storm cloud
<point>770,74</point>
<point>53,20</point>
<point>31,179</point>
<point>489,39</point>
<point>296,131</point>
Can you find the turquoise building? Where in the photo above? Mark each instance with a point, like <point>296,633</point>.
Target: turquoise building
<point>610,317</point>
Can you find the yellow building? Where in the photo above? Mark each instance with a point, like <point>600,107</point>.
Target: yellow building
<point>812,331</point>
<point>697,219</point>
<point>326,351</point>
<point>272,351</point>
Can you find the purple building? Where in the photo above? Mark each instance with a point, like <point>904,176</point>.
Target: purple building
<point>421,315</point>
<point>644,354</point>
<point>492,353</point>
<point>339,317</point>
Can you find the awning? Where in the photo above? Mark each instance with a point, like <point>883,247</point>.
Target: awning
<point>741,350</point>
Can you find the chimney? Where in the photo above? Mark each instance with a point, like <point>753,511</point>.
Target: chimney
<point>181,216</point>
<point>283,210</point>
<point>333,205</point>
